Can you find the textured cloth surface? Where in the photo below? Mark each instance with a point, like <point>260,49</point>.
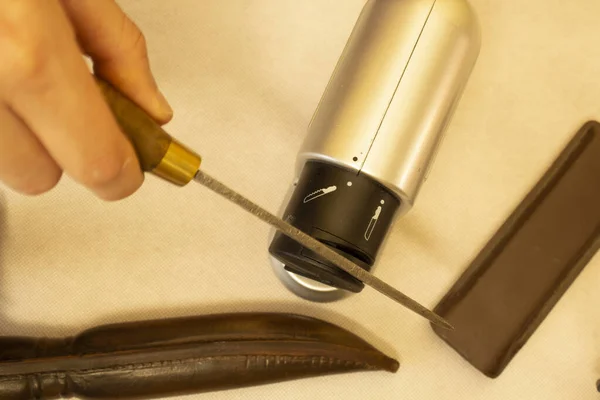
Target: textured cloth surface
<point>244,78</point>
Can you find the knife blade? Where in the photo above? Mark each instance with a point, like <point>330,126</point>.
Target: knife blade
<point>165,157</point>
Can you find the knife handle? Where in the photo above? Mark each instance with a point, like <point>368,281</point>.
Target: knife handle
<point>158,152</point>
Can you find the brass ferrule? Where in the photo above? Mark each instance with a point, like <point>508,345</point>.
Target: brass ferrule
<point>179,164</point>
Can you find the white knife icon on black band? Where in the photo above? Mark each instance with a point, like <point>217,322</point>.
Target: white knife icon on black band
<point>372,223</point>
<point>318,193</point>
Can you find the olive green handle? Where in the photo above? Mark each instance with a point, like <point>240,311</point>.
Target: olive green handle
<point>157,151</point>
<point>148,137</point>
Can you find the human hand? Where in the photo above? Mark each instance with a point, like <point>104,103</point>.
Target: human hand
<point>53,117</point>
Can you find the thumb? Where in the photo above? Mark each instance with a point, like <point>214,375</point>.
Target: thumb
<point>118,50</point>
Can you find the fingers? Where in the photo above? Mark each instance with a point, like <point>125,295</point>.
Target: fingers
<point>119,52</point>
<point>25,165</point>
<point>45,81</point>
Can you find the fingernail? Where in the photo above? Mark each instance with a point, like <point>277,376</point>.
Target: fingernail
<point>128,182</point>
<point>165,108</point>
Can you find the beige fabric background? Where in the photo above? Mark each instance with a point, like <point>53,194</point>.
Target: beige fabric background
<point>244,77</point>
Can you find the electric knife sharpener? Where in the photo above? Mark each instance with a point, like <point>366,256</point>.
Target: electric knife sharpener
<point>373,137</point>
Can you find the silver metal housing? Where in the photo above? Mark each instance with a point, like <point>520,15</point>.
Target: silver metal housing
<point>389,100</point>
<point>394,90</point>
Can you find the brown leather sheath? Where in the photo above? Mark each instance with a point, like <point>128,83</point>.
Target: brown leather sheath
<point>152,359</point>
<point>523,271</point>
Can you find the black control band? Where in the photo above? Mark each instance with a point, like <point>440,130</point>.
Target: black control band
<point>350,212</point>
